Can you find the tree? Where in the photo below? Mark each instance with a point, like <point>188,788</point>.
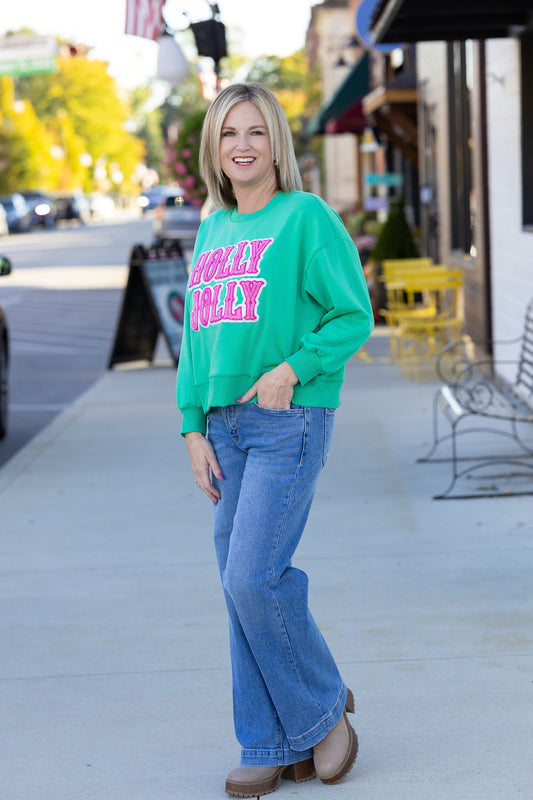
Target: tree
<point>297,88</point>
<point>26,160</point>
<point>183,113</point>
<point>183,159</point>
<point>395,239</point>
<point>147,124</point>
<point>184,102</point>
<point>81,104</point>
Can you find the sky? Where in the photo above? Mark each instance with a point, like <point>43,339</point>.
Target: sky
<point>267,27</point>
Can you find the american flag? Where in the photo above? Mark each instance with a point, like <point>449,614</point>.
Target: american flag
<point>144,18</point>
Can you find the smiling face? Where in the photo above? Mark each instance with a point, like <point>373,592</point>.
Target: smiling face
<point>245,151</point>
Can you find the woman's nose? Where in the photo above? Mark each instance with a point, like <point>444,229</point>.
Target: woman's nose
<point>242,143</point>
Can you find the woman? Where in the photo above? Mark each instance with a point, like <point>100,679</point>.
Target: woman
<point>276,304</point>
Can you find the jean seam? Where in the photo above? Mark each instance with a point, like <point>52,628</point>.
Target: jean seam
<point>273,560</point>
<point>280,412</point>
<point>325,443</point>
<point>328,421</point>
<point>284,630</point>
<point>281,756</point>
<point>322,725</point>
<point>311,712</point>
<point>304,437</point>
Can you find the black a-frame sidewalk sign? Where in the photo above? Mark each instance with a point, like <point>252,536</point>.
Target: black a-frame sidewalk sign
<point>153,302</point>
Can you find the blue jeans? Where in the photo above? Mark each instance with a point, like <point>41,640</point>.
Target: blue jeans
<point>287,691</point>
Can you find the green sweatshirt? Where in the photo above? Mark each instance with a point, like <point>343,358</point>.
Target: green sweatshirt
<point>281,284</point>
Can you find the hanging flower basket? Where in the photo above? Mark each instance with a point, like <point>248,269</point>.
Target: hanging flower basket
<point>182,160</point>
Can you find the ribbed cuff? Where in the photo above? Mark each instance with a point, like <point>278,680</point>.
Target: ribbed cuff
<point>306,364</point>
<point>194,419</point>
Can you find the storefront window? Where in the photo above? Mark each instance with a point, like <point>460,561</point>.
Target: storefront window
<point>526,47</point>
<point>463,197</point>
<point>429,192</point>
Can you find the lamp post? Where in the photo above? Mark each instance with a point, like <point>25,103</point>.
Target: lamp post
<point>210,38</point>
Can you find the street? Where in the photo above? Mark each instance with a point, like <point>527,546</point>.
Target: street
<point>62,302</point>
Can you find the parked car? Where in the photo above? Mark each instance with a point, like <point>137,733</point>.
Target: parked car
<point>4,228</point>
<point>151,198</point>
<point>42,209</point>
<point>5,269</point>
<point>72,207</point>
<point>18,212</point>
<point>176,218</point>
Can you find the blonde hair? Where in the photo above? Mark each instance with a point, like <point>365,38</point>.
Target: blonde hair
<point>285,164</point>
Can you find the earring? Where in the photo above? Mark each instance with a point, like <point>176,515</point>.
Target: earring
<point>275,162</point>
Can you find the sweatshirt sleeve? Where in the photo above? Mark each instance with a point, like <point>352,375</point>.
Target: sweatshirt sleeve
<point>335,280</point>
<point>194,418</point>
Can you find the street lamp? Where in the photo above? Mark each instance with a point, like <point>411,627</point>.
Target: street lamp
<point>210,37</point>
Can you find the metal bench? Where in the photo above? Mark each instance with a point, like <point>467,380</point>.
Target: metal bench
<point>470,396</point>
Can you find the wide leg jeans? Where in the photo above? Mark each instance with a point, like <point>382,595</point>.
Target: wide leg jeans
<point>287,691</point>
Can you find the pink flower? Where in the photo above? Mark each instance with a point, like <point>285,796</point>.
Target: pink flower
<point>186,153</point>
<point>181,169</point>
<point>189,182</point>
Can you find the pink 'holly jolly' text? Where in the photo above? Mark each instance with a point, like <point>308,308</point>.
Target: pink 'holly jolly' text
<point>232,295</point>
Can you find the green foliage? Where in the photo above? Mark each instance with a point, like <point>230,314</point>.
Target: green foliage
<point>297,88</point>
<point>147,124</point>
<point>267,71</point>
<point>86,117</point>
<point>183,102</point>
<point>25,158</point>
<point>355,223</point>
<point>182,159</point>
<point>395,239</point>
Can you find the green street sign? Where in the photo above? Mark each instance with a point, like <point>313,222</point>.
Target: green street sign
<point>384,179</point>
<point>27,55</point>
<point>27,66</point>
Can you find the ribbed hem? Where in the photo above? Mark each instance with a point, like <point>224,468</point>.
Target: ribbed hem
<point>321,392</point>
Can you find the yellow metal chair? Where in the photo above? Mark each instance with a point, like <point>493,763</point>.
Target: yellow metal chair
<point>392,266</point>
<point>396,272</point>
<point>437,320</point>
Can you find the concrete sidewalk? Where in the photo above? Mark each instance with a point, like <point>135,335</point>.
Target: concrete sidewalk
<point>114,674</point>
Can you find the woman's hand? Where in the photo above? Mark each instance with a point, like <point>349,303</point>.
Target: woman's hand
<point>203,462</point>
<point>274,389</point>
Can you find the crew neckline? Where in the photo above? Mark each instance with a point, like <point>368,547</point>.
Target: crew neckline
<point>237,217</point>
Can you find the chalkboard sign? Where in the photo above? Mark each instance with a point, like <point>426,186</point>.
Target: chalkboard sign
<point>154,302</point>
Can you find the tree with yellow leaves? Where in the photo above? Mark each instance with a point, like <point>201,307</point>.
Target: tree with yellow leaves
<point>25,143</point>
<point>87,118</point>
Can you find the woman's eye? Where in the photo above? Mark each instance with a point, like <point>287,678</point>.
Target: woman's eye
<point>227,133</point>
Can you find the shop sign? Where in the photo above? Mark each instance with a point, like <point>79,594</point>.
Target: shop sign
<point>384,179</point>
<point>376,203</point>
<point>27,55</point>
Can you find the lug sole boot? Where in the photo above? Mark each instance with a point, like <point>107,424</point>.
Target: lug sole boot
<point>257,781</point>
<point>335,755</point>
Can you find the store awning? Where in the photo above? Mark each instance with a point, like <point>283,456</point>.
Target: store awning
<point>420,21</point>
<point>352,120</point>
<point>394,112</point>
<point>343,112</point>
